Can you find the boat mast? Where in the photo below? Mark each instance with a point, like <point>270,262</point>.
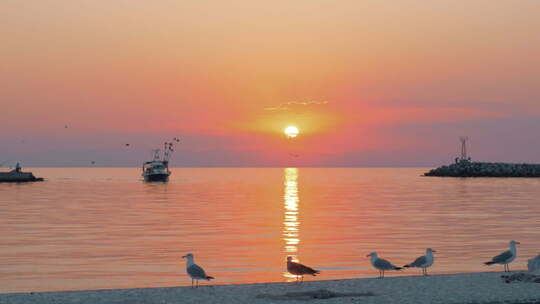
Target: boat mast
<point>168,148</point>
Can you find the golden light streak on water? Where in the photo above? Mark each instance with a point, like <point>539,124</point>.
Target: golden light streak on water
<point>291,232</point>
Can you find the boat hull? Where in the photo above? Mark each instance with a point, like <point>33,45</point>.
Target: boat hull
<point>160,177</point>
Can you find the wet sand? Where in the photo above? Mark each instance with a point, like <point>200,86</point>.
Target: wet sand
<point>454,288</point>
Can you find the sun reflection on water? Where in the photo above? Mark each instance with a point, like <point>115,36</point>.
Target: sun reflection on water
<point>291,224</point>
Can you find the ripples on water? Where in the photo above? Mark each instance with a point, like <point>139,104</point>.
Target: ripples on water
<point>104,228</point>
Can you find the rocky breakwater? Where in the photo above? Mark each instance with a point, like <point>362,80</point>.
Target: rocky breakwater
<point>481,169</point>
<point>16,176</point>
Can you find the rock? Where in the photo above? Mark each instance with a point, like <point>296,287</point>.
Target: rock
<point>534,265</point>
<point>521,277</point>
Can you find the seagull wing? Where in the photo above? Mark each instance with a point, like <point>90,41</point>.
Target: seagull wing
<point>308,270</point>
<point>501,258</point>
<point>299,269</point>
<point>419,262</point>
<point>383,264</point>
<point>196,272</point>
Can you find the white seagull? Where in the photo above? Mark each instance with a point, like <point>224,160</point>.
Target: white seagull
<point>195,271</point>
<point>424,261</point>
<point>506,257</point>
<point>381,264</point>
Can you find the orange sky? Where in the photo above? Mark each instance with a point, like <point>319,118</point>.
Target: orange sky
<point>369,83</point>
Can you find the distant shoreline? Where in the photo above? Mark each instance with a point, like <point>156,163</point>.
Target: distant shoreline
<point>225,167</point>
<point>486,287</point>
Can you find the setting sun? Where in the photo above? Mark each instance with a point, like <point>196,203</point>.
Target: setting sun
<point>291,131</point>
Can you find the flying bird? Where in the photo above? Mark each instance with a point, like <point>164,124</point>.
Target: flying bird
<point>381,264</point>
<point>195,271</point>
<point>423,262</point>
<point>299,270</point>
<point>127,145</point>
<point>506,257</point>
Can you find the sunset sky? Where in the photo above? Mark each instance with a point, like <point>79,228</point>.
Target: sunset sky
<point>368,83</point>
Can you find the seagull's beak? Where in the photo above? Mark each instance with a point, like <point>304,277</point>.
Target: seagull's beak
<point>368,255</point>
<point>518,243</point>
<point>433,250</point>
<point>184,256</point>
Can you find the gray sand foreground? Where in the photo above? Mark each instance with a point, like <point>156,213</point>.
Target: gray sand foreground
<point>455,288</point>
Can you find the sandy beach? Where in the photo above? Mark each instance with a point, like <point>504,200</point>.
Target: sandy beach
<point>455,288</point>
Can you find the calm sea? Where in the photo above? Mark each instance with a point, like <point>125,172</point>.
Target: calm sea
<point>105,228</point>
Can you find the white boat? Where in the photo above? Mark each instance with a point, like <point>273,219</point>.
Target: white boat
<point>157,170</point>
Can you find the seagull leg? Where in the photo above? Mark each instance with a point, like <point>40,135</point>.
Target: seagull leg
<point>197,283</point>
<point>302,279</point>
<point>192,281</point>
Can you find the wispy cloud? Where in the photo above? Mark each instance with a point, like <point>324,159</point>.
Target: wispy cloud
<point>290,105</point>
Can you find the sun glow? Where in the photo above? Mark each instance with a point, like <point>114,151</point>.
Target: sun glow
<point>291,131</point>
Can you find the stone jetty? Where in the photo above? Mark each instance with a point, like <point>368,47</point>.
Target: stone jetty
<point>465,168</point>
<point>17,176</point>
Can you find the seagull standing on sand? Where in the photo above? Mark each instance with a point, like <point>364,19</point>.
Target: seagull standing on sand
<point>381,264</point>
<point>424,261</point>
<point>195,271</point>
<point>506,257</point>
<point>299,270</point>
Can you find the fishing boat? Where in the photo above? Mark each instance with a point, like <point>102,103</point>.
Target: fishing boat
<point>157,170</point>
